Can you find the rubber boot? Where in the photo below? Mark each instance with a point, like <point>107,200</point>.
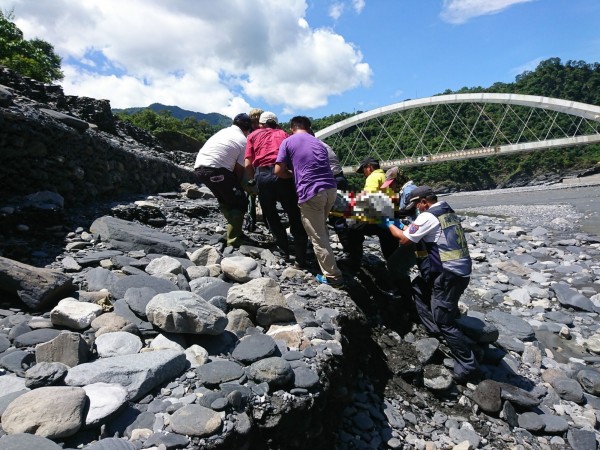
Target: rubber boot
<point>235,224</point>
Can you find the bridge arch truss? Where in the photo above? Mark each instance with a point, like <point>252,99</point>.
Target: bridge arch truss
<point>461,126</point>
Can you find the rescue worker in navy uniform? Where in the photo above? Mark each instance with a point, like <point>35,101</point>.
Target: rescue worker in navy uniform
<point>445,269</point>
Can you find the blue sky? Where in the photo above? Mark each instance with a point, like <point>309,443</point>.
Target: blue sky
<point>310,57</point>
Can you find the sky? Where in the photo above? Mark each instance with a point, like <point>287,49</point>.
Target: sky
<point>300,57</point>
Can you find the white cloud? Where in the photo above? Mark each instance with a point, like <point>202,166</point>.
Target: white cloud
<point>461,11</point>
<point>220,57</point>
<point>528,66</point>
<point>358,5</point>
<point>336,10</point>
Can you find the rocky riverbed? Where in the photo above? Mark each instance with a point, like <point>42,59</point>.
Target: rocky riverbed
<point>145,331</point>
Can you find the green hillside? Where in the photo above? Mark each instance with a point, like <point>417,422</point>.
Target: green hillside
<point>214,119</point>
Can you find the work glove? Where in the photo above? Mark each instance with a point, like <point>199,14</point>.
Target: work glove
<point>396,222</point>
<point>383,222</point>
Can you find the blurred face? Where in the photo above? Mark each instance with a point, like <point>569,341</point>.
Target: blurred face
<point>367,170</point>
<point>255,124</point>
<point>422,205</point>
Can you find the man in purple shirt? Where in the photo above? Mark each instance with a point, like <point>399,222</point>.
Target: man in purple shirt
<point>305,158</point>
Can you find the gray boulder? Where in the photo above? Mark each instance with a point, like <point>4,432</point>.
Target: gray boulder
<point>254,347</point>
<point>488,396</point>
<point>124,235</point>
<point>105,399</point>
<point>185,312</point>
<point>510,325</point>
<point>117,343</point>
<point>196,420</point>
<point>240,268</point>
<point>137,373</point>
<point>111,444</point>
<point>33,286</point>
<point>68,348</point>
<point>254,294</point>
<point>26,441</point>
<point>589,380</point>
<point>569,297</point>
<point>275,371</point>
<point>219,371</point>
<point>29,412</point>
<point>142,281</point>
<point>45,374</point>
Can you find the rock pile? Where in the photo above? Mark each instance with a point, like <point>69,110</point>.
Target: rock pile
<point>75,146</point>
<point>164,338</point>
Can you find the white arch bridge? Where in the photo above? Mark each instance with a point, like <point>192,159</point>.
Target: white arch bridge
<point>461,126</point>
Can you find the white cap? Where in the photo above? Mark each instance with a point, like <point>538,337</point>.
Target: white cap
<point>266,116</point>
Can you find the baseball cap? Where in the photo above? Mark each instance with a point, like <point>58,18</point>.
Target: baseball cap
<point>390,176</point>
<point>266,116</point>
<point>365,162</point>
<point>243,121</point>
<point>418,193</point>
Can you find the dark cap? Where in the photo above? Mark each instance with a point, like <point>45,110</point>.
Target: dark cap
<point>243,121</point>
<point>418,193</point>
<point>365,162</point>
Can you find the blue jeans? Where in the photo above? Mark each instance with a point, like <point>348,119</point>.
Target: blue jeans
<point>272,189</point>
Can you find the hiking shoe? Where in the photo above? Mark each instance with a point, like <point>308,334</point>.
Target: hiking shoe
<point>323,280</point>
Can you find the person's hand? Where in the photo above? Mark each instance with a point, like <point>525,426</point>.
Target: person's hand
<point>397,223</point>
<point>385,222</point>
<point>250,187</point>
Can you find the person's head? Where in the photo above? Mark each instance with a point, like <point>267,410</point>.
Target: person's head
<point>422,197</point>
<point>243,122</point>
<point>394,179</point>
<point>367,166</point>
<point>255,116</point>
<point>268,120</point>
<point>300,124</point>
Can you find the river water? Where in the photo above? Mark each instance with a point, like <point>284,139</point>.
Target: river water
<point>583,194</point>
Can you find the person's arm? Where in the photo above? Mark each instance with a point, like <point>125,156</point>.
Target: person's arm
<point>238,170</point>
<point>249,169</point>
<point>399,234</point>
<point>282,171</point>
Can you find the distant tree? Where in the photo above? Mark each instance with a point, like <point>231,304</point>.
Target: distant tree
<point>34,58</point>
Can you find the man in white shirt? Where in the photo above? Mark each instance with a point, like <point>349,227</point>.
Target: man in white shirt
<point>220,166</point>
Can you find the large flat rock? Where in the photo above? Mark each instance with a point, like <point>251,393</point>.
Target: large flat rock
<point>138,374</point>
<point>126,236</point>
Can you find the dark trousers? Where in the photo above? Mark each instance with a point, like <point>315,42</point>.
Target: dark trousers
<point>399,266</point>
<point>272,189</point>
<point>250,223</point>
<point>231,197</point>
<point>353,237</point>
<point>436,299</point>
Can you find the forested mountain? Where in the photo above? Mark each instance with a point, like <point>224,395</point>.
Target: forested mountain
<point>574,80</point>
<point>167,128</point>
<point>214,119</point>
